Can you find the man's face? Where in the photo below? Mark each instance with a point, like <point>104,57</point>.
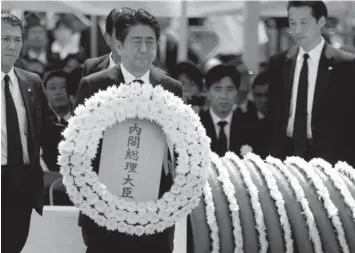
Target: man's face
<point>305,29</point>
<point>56,92</point>
<point>260,97</point>
<point>139,48</point>
<point>222,96</point>
<point>37,37</point>
<point>11,45</point>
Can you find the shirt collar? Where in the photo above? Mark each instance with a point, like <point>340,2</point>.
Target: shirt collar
<point>11,74</point>
<point>216,118</point>
<point>111,63</point>
<point>66,116</point>
<point>260,115</point>
<point>314,54</point>
<point>128,77</point>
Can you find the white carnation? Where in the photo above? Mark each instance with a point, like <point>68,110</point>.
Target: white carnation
<point>139,230</point>
<point>65,170</point>
<point>100,220</point>
<point>132,218</point>
<point>151,206</point>
<point>141,207</point>
<point>161,204</point>
<point>149,229</point>
<point>122,227</point>
<point>85,191</point>
<point>180,180</point>
<point>110,212</point>
<point>160,227</point>
<point>79,181</point>
<point>168,197</point>
<point>63,160</point>
<point>143,219</point>
<point>121,215</point>
<point>100,206</point>
<point>175,189</point>
<point>131,206</point>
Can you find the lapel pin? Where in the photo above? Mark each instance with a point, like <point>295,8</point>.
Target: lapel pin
<point>29,90</point>
<point>330,68</point>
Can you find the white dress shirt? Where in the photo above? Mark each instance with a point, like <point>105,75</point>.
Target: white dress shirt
<point>227,128</point>
<point>313,62</point>
<point>21,114</point>
<point>128,77</point>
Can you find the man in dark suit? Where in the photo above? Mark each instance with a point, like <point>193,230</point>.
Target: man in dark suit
<point>224,122</point>
<point>97,64</point>
<point>24,106</point>
<point>137,33</point>
<point>55,83</point>
<point>310,93</point>
<point>259,123</point>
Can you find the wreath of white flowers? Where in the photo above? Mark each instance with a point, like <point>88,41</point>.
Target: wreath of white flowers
<point>81,139</point>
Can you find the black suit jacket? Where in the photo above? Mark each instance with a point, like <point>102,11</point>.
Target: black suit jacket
<point>97,64</point>
<point>91,84</point>
<point>333,104</point>
<point>36,105</point>
<point>238,131</point>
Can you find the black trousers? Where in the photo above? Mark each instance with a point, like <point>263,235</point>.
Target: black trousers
<point>104,241</point>
<point>16,208</point>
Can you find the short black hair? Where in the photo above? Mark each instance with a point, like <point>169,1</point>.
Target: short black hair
<point>110,20</point>
<point>12,20</point>
<point>190,70</point>
<point>319,8</point>
<point>260,79</point>
<point>218,72</point>
<point>128,17</point>
<point>55,73</point>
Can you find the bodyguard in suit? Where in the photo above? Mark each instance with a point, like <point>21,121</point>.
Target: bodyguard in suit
<point>311,91</point>
<point>225,123</point>
<point>137,33</point>
<point>97,64</point>
<point>24,106</point>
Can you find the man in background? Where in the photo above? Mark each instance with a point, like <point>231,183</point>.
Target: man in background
<point>97,64</point>
<point>24,108</point>
<point>311,89</point>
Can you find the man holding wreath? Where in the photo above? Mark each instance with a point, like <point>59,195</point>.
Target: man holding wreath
<point>137,35</point>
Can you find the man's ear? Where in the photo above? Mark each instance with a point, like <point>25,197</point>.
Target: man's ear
<point>107,38</point>
<point>322,21</point>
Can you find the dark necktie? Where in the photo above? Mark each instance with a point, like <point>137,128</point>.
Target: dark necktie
<point>138,81</point>
<point>14,144</point>
<point>300,125</point>
<point>222,139</point>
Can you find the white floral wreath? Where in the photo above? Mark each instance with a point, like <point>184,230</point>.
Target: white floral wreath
<point>114,105</point>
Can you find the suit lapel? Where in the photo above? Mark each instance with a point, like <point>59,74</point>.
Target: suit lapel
<point>322,82</point>
<point>207,122</point>
<point>104,64</point>
<point>153,77</point>
<point>288,74</point>
<point>28,99</point>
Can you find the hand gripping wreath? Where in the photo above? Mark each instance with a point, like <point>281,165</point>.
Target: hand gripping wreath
<point>117,104</point>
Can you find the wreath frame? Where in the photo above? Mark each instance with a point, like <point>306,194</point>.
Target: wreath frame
<point>181,126</point>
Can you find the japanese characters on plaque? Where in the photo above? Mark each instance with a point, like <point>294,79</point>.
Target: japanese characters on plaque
<point>131,160</point>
